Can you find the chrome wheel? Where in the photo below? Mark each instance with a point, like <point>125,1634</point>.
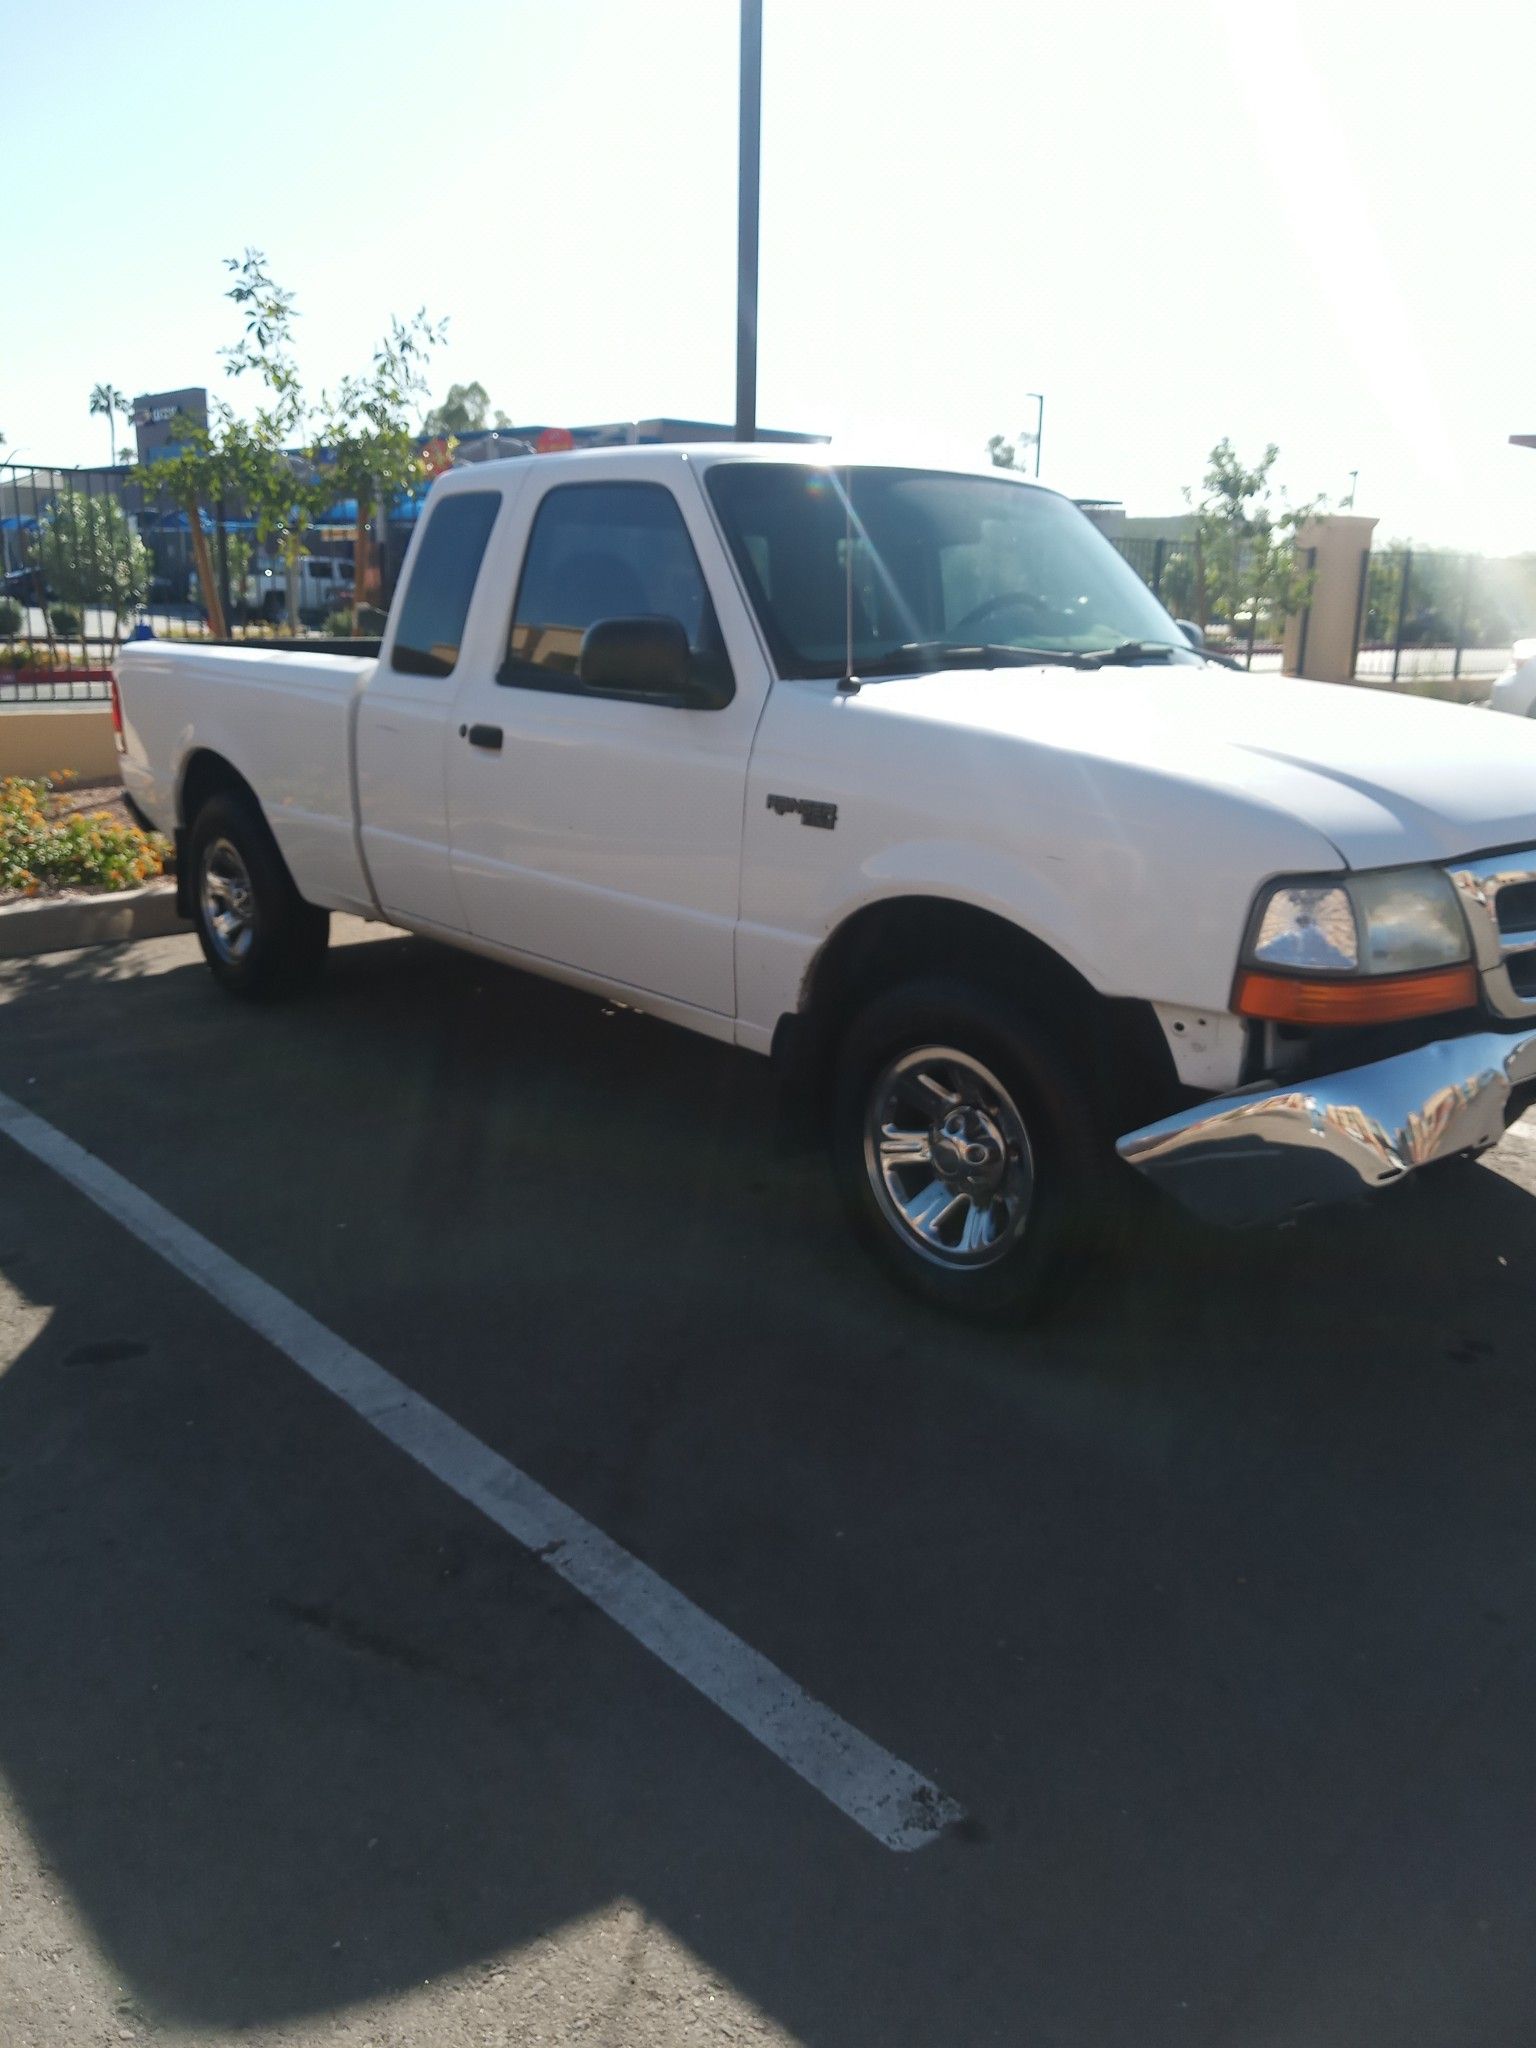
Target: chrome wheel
<point>948,1157</point>
<point>228,901</point>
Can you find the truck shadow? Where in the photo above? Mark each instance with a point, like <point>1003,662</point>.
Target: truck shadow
<point>296,1731</point>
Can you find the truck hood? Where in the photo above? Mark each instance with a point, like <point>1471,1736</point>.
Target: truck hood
<point>1385,778</point>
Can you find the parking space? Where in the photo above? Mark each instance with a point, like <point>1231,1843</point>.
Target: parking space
<point>1208,1604</point>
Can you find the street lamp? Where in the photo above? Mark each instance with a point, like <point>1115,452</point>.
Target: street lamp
<point>749,163</point>
<point>1349,502</point>
<point>1039,398</point>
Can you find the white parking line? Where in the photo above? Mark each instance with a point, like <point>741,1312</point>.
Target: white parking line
<point>894,1803</point>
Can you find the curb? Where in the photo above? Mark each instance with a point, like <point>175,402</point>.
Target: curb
<point>59,924</point>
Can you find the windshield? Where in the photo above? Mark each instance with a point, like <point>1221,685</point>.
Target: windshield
<point>917,566</point>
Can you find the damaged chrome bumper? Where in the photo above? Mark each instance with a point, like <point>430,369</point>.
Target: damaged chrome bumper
<point>1274,1150</point>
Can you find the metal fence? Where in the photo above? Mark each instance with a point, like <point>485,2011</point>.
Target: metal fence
<point>1423,615</point>
<point>1170,568</point>
<point>89,557</point>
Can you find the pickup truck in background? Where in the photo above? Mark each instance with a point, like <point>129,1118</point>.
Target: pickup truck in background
<point>323,585</point>
<point>901,776</point>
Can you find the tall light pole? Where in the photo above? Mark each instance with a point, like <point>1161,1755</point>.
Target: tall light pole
<point>1354,478</point>
<point>1039,398</point>
<point>751,146</point>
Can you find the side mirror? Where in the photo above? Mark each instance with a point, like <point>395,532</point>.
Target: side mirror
<point>648,659</point>
<point>1194,634</point>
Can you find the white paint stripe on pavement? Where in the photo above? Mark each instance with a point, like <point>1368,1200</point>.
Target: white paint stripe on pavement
<point>894,1803</point>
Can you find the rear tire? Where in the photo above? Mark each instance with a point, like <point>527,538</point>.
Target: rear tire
<point>258,935</point>
<point>965,1148</point>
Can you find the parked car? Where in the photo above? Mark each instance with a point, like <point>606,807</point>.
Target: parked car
<point>323,585</point>
<point>903,778</point>
<point>26,585</point>
<point>1515,689</point>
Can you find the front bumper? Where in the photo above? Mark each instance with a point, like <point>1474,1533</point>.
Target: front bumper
<point>1269,1152</point>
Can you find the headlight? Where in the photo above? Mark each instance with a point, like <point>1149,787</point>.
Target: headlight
<point>1399,921</point>
<point>1313,930</point>
<point>1357,949</point>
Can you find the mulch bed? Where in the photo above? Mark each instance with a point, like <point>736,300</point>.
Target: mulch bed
<point>95,796</point>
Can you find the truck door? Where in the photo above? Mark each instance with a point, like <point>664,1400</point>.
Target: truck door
<point>406,712</point>
<point>591,828</point>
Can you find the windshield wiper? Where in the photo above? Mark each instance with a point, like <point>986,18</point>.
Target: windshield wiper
<point>918,655</point>
<point>915,657</point>
<point>1129,652</point>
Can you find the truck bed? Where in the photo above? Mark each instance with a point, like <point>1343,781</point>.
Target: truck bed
<point>281,716</point>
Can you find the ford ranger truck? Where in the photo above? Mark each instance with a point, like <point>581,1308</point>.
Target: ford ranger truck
<point>901,776</point>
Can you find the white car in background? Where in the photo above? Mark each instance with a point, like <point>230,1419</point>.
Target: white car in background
<point>1515,690</point>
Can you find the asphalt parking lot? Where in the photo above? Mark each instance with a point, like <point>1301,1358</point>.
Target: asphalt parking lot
<point>1209,1605</point>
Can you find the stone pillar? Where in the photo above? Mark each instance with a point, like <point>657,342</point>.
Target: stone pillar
<point>1323,640</point>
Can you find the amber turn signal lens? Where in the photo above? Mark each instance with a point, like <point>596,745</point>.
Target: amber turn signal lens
<point>1384,999</point>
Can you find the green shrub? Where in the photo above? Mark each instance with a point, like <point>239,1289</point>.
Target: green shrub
<point>90,555</point>
<point>11,617</point>
<point>65,620</point>
<point>338,625</point>
<point>43,846</point>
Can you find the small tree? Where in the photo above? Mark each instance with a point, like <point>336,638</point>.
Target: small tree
<point>239,557</point>
<point>199,472</point>
<point>1246,558</point>
<point>371,452</point>
<point>1014,454</point>
<point>286,492</point>
<point>108,402</point>
<point>281,482</point>
<point>90,555</point>
<point>466,410</point>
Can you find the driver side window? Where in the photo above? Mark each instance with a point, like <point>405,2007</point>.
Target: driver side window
<point>605,551</point>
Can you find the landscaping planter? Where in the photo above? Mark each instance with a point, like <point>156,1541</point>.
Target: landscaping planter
<point>55,924</point>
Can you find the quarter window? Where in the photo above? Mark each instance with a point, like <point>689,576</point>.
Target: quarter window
<point>431,626</point>
<point>606,551</point>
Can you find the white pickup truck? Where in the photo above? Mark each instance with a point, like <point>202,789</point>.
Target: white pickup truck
<point>322,584</point>
<point>901,776</point>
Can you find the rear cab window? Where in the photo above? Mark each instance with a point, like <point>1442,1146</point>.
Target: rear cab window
<point>430,629</point>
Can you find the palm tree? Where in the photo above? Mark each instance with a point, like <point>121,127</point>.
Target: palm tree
<point>108,401</point>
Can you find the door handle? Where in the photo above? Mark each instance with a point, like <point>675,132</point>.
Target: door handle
<point>487,736</point>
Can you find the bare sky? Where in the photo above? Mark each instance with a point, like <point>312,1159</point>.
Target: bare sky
<point>1305,221</point>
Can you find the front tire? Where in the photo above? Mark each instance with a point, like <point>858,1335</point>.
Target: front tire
<point>258,935</point>
<point>964,1147</point>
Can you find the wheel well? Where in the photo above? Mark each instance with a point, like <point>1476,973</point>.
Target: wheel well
<point>1116,1043</point>
<point>205,774</point>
